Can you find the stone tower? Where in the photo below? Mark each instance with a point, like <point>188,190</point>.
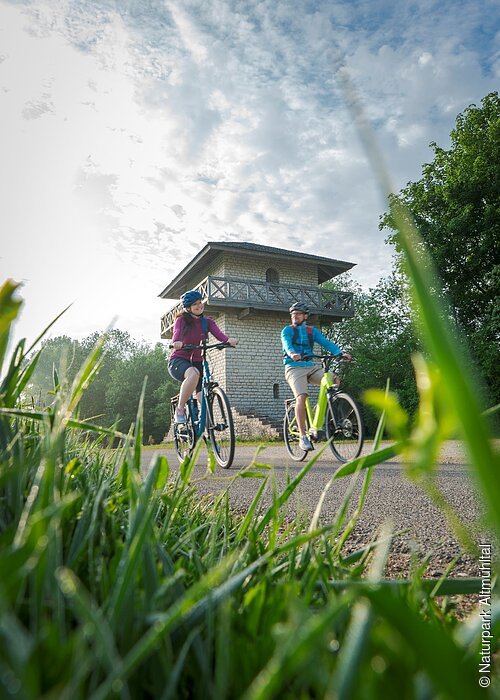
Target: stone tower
<point>248,290</point>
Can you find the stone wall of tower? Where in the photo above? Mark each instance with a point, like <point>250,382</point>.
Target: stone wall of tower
<point>254,268</point>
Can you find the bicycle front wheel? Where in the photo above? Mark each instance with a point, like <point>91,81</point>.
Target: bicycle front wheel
<point>292,435</point>
<point>221,427</point>
<point>344,426</point>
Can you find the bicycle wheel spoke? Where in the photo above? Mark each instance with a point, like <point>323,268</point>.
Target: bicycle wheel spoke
<point>184,436</point>
<point>344,426</point>
<point>291,434</point>
<point>221,428</point>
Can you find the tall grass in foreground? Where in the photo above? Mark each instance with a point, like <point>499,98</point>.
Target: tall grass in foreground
<point>116,586</point>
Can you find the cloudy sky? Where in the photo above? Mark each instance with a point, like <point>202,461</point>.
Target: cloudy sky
<point>134,131</point>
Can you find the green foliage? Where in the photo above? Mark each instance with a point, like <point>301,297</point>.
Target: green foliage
<point>381,338</point>
<point>112,397</point>
<point>125,383</point>
<point>456,208</point>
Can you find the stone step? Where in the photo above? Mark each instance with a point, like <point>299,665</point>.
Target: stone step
<point>250,425</point>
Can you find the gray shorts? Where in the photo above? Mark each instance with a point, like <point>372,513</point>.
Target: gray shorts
<point>299,377</point>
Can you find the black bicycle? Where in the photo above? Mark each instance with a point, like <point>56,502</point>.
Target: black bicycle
<point>212,420</point>
<point>335,417</point>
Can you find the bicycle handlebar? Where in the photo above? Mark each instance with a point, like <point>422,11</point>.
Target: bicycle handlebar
<point>325,357</point>
<point>217,346</point>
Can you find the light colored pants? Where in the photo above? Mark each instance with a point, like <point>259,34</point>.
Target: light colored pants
<point>299,377</point>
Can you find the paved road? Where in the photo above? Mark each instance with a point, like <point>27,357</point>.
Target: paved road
<point>391,496</point>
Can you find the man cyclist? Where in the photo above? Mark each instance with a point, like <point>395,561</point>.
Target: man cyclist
<point>298,340</point>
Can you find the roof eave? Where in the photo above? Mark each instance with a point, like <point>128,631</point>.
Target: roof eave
<point>327,268</point>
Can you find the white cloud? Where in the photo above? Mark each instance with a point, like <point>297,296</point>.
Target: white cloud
<point>135,132</point>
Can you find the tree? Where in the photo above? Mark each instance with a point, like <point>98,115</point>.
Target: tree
<point>456,206</point>
<point>125,386</point>
<point>64,355</point>
<point>118,347</point>
<point>113,396</point>
<point>382,340</point>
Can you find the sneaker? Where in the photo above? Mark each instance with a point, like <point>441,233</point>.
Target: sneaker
<point>180,418</point>
<point>305,444</point>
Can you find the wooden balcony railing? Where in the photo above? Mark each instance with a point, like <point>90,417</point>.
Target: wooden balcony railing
<point>222,293</point>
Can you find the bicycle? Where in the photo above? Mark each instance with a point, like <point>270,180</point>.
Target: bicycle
<point>213,421</point>
<point>335,417</point>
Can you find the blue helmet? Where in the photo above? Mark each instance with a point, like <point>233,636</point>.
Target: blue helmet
<point>190,297</point>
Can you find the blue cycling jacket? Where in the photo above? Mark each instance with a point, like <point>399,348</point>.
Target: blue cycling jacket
<point>303,346</point>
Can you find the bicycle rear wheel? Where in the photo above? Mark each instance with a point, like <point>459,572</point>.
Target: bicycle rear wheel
<point>344,425</point>
<point>291,434</point>
<point>220,427</point>
<point>184,435</point>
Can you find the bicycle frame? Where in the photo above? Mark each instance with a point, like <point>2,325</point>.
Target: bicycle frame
<point>317,415</point>
<point>199,422</point>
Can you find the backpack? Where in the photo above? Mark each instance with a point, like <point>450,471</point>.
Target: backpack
<point>204,327</point>
<point>295,335</point>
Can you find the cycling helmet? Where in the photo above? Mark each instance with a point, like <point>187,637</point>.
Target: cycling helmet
<point>190,297</point>
<point>299,306</point>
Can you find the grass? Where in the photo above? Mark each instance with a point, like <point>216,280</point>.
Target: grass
<point>115,586</point>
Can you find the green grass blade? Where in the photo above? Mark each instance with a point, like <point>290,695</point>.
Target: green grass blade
<point>250,514</point>
<point>443,342</point>
<point>356,637</point>
<point>370,460</point>
<point>448,586</point>
<point>287,492</point>
<point>9,309</point>
<point>451,670</point>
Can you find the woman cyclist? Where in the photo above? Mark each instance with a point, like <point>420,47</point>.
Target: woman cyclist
<point>191,327</point>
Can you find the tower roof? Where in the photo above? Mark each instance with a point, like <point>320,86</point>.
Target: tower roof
<point>327,267</point>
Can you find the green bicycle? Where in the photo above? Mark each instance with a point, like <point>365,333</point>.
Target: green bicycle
<point>336,417</point>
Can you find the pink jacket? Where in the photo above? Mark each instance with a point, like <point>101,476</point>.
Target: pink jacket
<point>193,336</point>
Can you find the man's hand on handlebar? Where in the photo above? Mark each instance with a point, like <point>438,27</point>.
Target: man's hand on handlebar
<point>343,357</point>
<point>232,342</point>
<point>177,345</point>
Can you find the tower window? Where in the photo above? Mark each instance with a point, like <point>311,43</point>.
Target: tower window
<point>272,276</point>
<point>276,391</point>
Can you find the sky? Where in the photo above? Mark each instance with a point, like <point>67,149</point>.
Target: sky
<point>133,132</point>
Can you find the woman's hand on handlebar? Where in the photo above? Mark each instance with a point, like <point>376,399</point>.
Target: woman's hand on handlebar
<point>205,346</point>
<point>232,342</point>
